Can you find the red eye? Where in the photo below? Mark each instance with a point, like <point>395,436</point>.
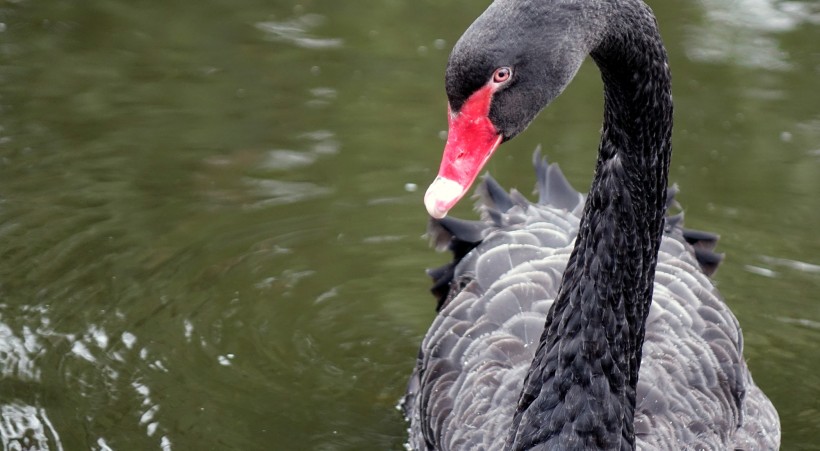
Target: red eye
<point>502,74</point>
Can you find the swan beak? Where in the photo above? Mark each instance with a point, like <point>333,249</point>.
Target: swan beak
<point>471,141</point>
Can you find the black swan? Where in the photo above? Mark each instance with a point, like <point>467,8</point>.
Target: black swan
<point>638,349</point>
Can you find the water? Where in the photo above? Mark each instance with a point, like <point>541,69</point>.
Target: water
<point>210,236</point>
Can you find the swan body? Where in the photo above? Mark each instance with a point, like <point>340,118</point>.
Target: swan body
<point>694,390</point>
<point>581,322</point>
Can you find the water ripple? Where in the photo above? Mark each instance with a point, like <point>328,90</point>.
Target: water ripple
<point>17,355</point>
<point>815,325</point>
<point>738,32</point>
<point>280,159</point>
<point>792,264</point>
<point>23,427</point>
<point>763,15</point>
<point>295,31</point>
<point>279,192</point>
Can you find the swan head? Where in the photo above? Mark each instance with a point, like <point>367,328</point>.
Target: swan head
<point>502,72</point>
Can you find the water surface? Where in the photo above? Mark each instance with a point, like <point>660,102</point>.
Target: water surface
<point>211,216</point>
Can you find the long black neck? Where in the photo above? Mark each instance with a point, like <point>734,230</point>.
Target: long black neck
<point>580,391</point>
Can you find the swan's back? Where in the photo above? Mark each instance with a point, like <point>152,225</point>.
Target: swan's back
<point>694,389</point>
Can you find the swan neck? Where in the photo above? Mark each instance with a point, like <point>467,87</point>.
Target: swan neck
<point>580,392</point>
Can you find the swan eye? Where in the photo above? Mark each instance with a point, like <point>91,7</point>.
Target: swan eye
<point>502,74</point>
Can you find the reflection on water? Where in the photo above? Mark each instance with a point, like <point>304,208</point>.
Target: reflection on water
<point>276,192</point>
<point>294,31</point>
<point>24,427</point>
<point>219,176</point>
<point>17,354</point>
<point>792,264</point>
<point>90,365</point>
<point>783,263</point>
<point>741,32</point>
<point>210,228</point>
<point>281,159</point>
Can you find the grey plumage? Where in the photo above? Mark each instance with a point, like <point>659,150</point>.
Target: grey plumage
<point>694,390</point>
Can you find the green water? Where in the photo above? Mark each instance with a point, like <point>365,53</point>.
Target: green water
<point>211,215</point>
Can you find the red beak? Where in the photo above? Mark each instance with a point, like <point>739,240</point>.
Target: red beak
<point>471,141</point>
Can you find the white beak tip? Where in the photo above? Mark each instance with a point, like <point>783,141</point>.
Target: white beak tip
<point>441,196</point>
